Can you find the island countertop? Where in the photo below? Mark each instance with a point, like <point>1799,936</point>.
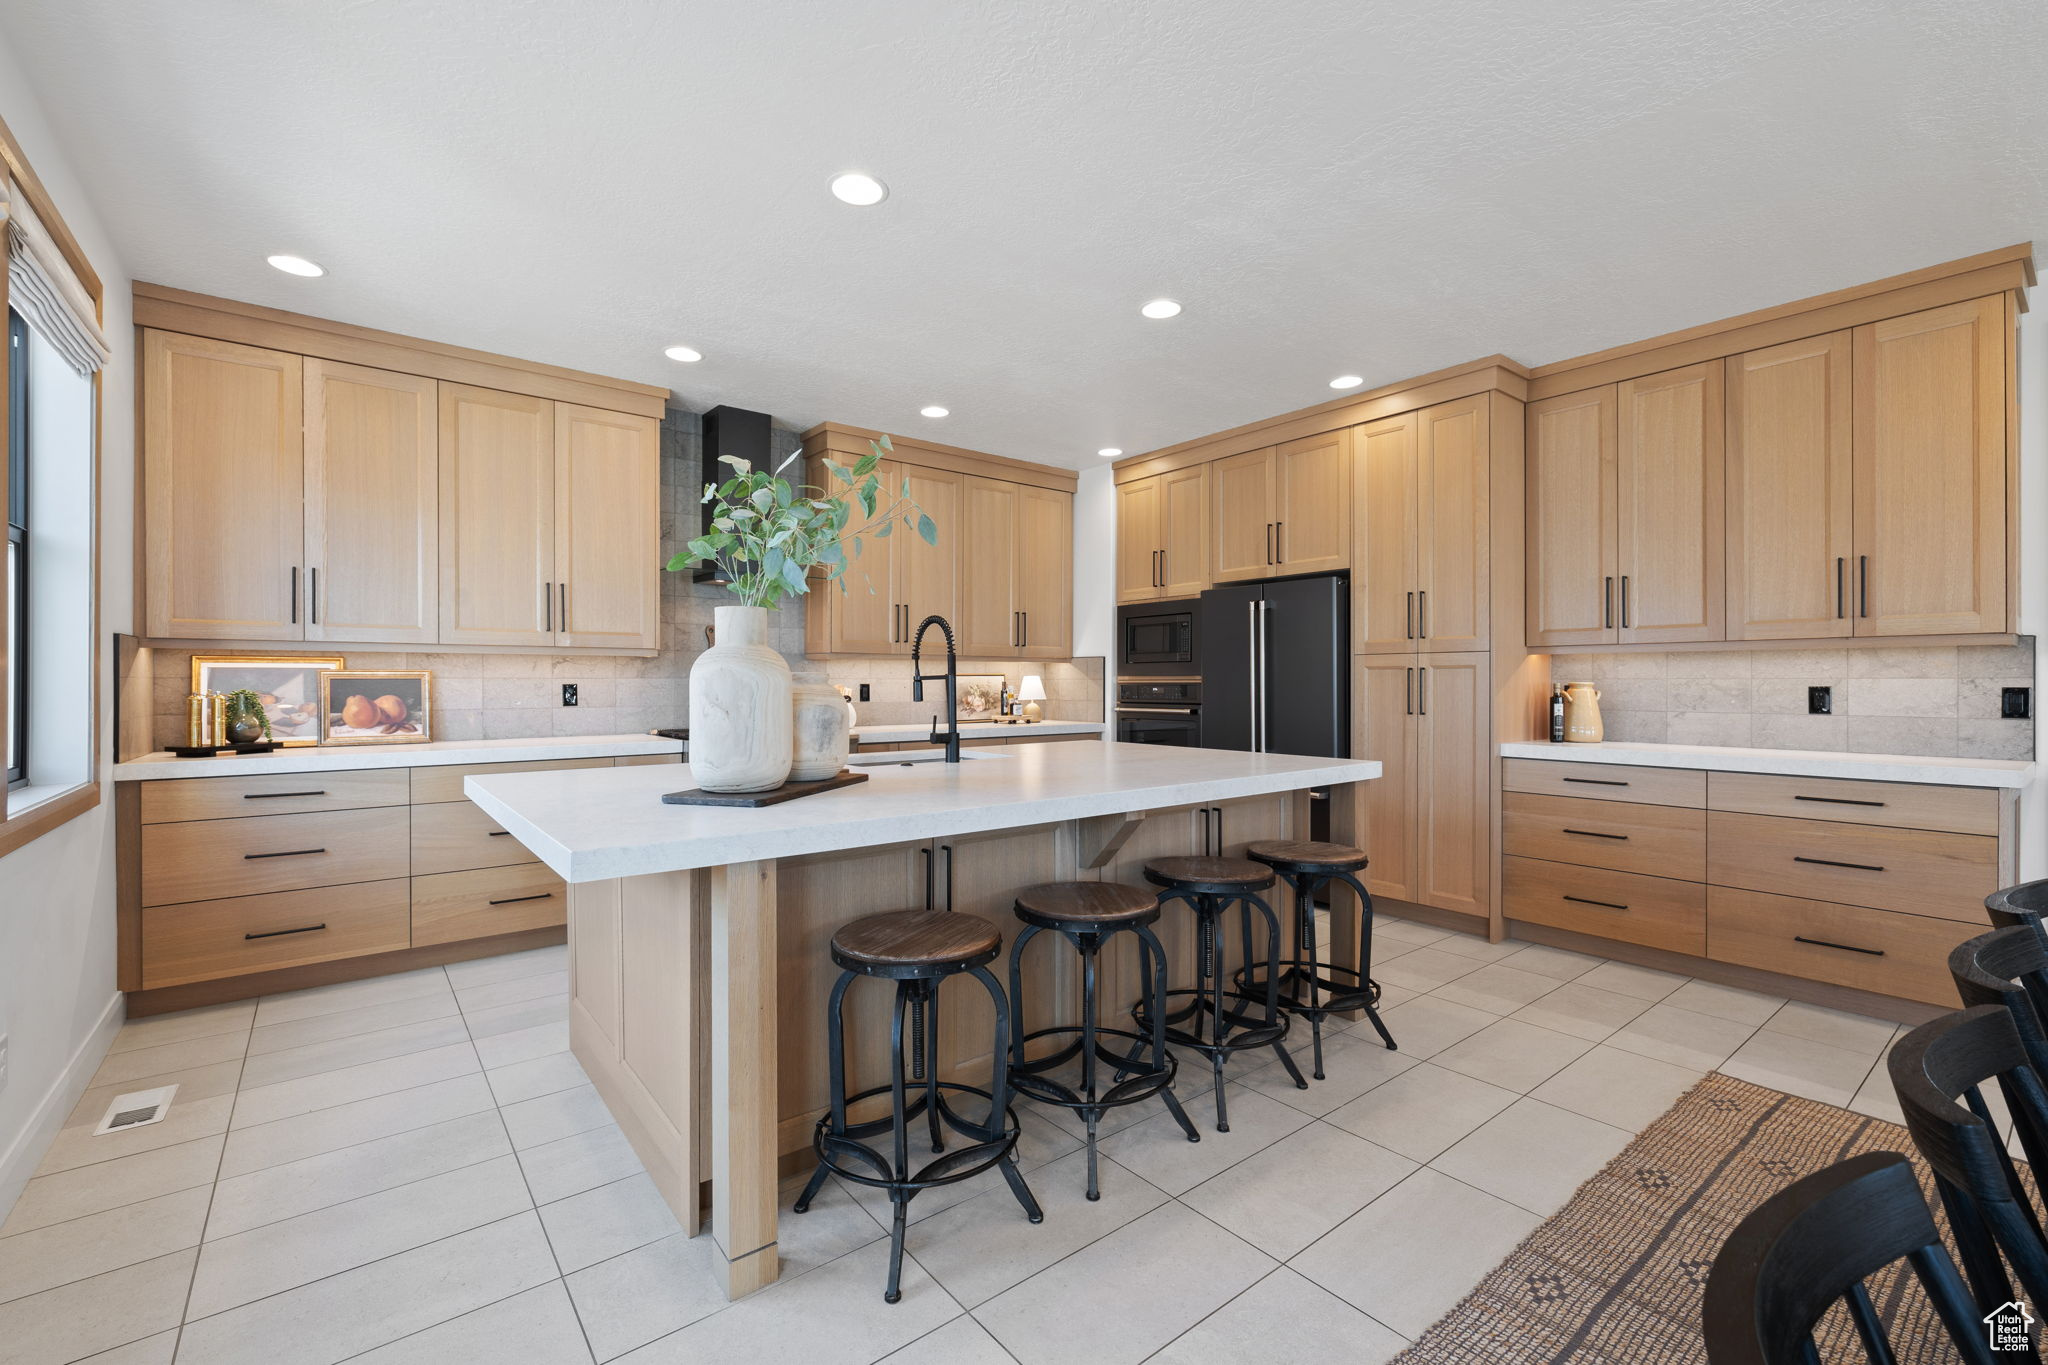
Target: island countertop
<point>597,824</point>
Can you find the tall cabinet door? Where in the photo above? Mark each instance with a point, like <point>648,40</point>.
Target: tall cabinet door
<point>1454,528</point>
<point>1930,458</point>
<point>1383,531</point>
<point>1453,783</point>
<point>1671,534</point>
<point>1244,498</point>
<point>497,498</point>
<point>607,529</point>
<point>1572,560</point>
<point>1312,519</point>
<point>1789,505</point>
<point>928,576</point>
<point>1184,538</point>
<point>223,489</point>
<point>864,618</point>
<point>989,625</point>
<point>1383,729</point>
<point>372,515</point>
<point>1139,518</point>
<point>1045,572</point>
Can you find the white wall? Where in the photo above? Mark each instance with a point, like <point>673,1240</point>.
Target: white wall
<point>58,1004</point>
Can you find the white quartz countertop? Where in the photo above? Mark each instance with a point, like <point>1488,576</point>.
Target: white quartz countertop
<point>902,734</point>
<point>310,759</point>
<point>590,825</point>
<point>1943,772</point>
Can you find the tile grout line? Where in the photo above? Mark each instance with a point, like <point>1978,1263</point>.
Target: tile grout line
<point>554,1256</point>
<point>213,1190</point>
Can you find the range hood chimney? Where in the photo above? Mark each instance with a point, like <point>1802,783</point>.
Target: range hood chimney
<point>727,431</point>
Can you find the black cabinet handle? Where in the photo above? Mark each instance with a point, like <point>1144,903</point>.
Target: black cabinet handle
<point>1269,542</point>
<point>1596,834</point>
<point>514,900</point>
<point>1279,542</point>
<point>1408,692</point>
<point>1844,947</point>
<point>1604,905</point>
<point>564,590</point>
<point>1624,601</point>
<point>1607,604</point>
<point>1598,781</point>
<point>294,853</point>
<point>547,608</point>
<point>1408,617</point>
<point>1162,568</point>
<point>1422,691</point>
<point>1422,615</point>
<point>295,594</point>
<point>1841,595</point>
<point>1830,862</point>
<point>501,834</point>
<point>1838,800</point>
<point>1026,638</point>
<point>277,796</point>
<point>313,596</point>
<point>280,933</point>
<point>947,849</point>
<point>926,852</point>
<point>1863,585</point>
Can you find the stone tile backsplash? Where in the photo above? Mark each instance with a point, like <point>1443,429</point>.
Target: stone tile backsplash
<point>519,696</point>
<point>1936,701</point>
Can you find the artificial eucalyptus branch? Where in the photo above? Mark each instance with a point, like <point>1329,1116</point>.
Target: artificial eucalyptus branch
<point>767,534</point>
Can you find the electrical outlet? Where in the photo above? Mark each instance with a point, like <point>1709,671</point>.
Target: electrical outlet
<point>1820,701</point>
<point>864,692</point>
<point>2016,703</point>
<point>568,694</point>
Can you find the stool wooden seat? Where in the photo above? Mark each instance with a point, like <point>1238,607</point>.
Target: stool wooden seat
<point>1061,904</point>
<point>881,944</point>
<point>1209,875</point>
<point>1306,855</point>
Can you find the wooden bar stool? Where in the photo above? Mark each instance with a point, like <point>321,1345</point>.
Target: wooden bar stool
<point>1217,1019</point>
<point>1310,987</point>
<point>917,949</point>
<point>1088,914</point>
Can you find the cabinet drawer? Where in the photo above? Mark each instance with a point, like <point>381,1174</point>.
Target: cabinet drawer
<point>1913,870</point>
<point>498,900</point>
<point>1901,805</point>
<point>1872,950</point>
<point>222,798</point>
<point>1653,911</point>
<point>210,859</point>
<point>445,783</point>
<point>203,940</point>
<point>1605,781</point>
<point>1659,841</point>
<point>456,836</point>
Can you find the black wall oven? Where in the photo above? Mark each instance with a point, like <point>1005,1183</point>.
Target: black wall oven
<point>1157,639</point>
<point>1159,713</point>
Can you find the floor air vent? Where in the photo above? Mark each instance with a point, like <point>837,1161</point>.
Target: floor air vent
<point>136,1110</point>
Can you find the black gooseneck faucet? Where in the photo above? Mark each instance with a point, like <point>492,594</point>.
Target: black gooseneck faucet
<point>918,678</point>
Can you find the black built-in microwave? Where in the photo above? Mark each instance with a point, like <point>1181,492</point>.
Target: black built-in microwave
<point>1157,638</point>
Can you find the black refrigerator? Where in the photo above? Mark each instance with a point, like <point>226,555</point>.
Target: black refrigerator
<point>1276,666</point>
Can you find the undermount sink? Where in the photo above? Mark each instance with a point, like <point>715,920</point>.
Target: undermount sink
<point>906,757</point>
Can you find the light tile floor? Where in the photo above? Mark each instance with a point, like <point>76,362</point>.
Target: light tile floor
<point>412,1169</point>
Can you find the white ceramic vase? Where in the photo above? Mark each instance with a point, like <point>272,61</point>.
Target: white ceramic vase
<point>818,725</point>
<point>740,707</point>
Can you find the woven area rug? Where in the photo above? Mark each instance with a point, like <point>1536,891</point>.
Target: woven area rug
<point>1617,1275</point>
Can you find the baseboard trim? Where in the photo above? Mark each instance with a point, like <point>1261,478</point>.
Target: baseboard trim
<point>46,1120</point>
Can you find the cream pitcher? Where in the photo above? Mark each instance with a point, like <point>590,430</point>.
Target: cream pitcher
<point>1582,714</point>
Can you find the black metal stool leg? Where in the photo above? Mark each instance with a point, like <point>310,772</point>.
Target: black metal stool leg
<point>1152,969</point>
<point>835,1044</point>
<point>1088,945</point>
<point>1365,918</point>
<point>1210,975</point>
<point>900,1130</point>
<point>1305,929</point>
<point>925,1021</point>
<point>999,1097</point>
<point>1247,903</point>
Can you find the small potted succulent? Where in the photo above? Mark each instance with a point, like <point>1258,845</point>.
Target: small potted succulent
<point>766,536</point>
<point>247,721</point>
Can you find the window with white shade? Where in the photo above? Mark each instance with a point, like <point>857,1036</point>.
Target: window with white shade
<point>15,690</point>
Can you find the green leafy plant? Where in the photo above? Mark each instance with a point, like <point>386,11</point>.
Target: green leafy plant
<point>244,704</point>
<point>767,533</point>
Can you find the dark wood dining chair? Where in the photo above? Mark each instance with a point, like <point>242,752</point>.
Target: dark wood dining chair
<point>1939,1070</point>
<point>1814,1243</point>
<point>2023,904</point>
<point>2009,968</point>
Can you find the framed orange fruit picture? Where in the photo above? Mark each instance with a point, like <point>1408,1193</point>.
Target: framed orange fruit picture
<point>358,707</point>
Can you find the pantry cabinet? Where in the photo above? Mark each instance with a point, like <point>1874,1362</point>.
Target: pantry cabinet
<point>1427,718</point>
<point>1162,535</point>
<point>1422,526</point>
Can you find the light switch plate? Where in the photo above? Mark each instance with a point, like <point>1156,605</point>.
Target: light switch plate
<point>568,694</point>
<point>2016,703</point>
<point>1820,701</point>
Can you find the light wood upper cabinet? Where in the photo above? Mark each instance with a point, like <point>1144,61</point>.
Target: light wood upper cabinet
<point>1384,537</point>
<point>928,576</point>
<point>497,518</point>
<point>1454,526</point>
<point>223,490</point>
<point>858,614</point>
<point>607,529</point>
<point>371,513</point>
<point>1184,535</point>
<point>1670,534</point>
<point>1244,505</point>
<point>1931,470</point>
<point>1140,532</point>
<point>1045,572</point>
<point>1312,526</point>
<point>1789,506</point>
<point>1571,527</point>
<point>989,571</point>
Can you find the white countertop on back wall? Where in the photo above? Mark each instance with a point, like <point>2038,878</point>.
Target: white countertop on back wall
<point>312,759</point>
<point>906,734</point>
<point>1944,772</point>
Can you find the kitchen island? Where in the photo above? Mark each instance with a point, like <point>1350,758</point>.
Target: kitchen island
<point>699,963</point>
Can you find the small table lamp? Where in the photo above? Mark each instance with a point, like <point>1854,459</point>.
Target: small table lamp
<point>1031,692</point>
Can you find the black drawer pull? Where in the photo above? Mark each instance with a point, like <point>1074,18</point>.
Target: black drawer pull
<point>1830,862</point>
<point>1595,834</point>
<point>290,853</point>
<point>280,933</point>
<point>1823,943</point>
<point>514,900</point>
<point>1598,781</point>
<point>1838,800</point>
<point>273,796</point>
<point>501,834</point>
<point>1604,905</point>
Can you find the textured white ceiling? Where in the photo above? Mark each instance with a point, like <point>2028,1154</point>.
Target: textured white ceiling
<point>1329,185</point>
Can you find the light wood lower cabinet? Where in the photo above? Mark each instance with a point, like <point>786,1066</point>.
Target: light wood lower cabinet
<point>1847,945</point>
<point>1428,720</point>
<point>206,940</point>
<point>206,859</point>
<point>1920,871</point>
<point>456,836</point>
<point>489,901</point>
<point>1658,841</point>
<point>1628,907</point>
<point>220,798</point>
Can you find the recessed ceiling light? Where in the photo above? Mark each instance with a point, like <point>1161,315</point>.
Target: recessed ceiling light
<point>1109,452</point>
<point>296,265</point>
<point>1160,308</point>
<point>1346,381</point>
<point>933,411</point>
<point>858,190</point>
<point>688,355</point>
